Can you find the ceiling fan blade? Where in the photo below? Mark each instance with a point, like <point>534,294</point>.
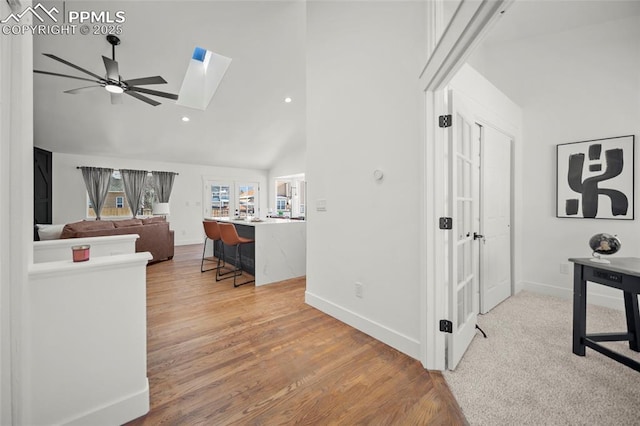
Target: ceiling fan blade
<point>72,65</point>
<point>116,98</point>
<point>142,98</point>
<point>81,89</point>
<point>146,80</point>
<point>64,75</point>
<point>154,92</point>
<point>112,69</point>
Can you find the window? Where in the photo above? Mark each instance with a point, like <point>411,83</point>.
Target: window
<point>116,204</point>
<point>281,203</point>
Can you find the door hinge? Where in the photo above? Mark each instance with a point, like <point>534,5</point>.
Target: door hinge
<point>446,223</point>
<point>444,120</point>
<point>446,326</point>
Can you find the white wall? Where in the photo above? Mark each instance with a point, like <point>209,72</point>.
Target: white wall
<point>186,203</point>
<point>363,103</point>
<point>490,106</point>
<point>86,362</point>
<point>576,85</point>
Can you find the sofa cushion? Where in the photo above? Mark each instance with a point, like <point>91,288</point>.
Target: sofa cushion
<point>153,219</point>
<point>127,222</point>
<point>49,232</point>
<point>71,229</point>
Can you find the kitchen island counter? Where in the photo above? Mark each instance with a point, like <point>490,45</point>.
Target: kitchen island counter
<point>280,249</point>
<point>267,221</point>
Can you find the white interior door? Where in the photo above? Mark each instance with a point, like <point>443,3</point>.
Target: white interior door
<point>495,247</point>
<point>463,250</point>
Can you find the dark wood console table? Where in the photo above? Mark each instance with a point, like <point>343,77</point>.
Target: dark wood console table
<point>622,273</point>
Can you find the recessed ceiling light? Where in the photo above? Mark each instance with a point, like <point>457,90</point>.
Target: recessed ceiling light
<point>185,119</point>
<point>287,100</point>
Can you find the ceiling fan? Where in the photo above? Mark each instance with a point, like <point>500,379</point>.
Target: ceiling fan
<point>113,82</point>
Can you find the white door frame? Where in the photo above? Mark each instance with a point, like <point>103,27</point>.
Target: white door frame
<point>16,222</point>
<point>469,24</point>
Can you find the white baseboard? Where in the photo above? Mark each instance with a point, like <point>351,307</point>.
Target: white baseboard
<point>188,241</point>
<point>116,413</point>
<point>593,296</point>
<point>404,344</point>
<point>548,290</point>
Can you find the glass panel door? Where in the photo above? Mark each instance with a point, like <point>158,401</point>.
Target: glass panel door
<point>463,198</point>
<point>219,199</point>
<point>248,199</point>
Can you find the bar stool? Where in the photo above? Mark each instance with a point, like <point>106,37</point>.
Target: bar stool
<point>230,237</point>
<point>212,232</point>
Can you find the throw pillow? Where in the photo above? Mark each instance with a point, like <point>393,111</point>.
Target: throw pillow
<point>153,219</point>
<point>49,232</point>
<point>70,229</point>
<point>127,222</point>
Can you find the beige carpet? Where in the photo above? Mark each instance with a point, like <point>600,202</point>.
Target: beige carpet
<point>524,373</point>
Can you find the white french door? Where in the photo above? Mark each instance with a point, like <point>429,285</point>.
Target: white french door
<point>463,155</point>
<point>226,198</point>
<point>248,195</point>
<point>218,198</point>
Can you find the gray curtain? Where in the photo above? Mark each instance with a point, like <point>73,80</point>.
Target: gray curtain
<point>163,183</point>
<point>96,179</point>
<point>133,181</point>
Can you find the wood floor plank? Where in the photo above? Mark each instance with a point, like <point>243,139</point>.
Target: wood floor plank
<point>221,355</point>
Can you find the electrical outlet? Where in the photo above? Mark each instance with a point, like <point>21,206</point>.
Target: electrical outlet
<point>359,289</point>
<point>564,268</point>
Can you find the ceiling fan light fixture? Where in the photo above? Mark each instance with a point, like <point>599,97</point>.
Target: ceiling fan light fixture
<point>112,88</point>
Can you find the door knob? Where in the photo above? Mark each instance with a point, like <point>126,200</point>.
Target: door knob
<point>477,236</point>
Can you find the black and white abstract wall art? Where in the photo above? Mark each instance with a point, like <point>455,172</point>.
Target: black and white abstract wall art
<point>595,179</point>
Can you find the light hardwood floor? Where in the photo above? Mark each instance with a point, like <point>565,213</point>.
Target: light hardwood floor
<point>220,355</point>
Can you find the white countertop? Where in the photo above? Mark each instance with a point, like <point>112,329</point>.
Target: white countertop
<point>267,221</point>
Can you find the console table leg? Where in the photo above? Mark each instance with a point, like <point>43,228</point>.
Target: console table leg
<point>579,310</point>
<point>633,319</point>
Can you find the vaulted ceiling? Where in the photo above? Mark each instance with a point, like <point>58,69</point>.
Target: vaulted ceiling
<point>247,124</point>
<point>509,39</point>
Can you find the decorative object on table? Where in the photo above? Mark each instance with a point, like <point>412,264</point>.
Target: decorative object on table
<point>80,253</point>
<point>604,244</point>
<point>595,179</point>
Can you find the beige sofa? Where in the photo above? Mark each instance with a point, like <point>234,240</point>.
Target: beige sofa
<point>155,235</point>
